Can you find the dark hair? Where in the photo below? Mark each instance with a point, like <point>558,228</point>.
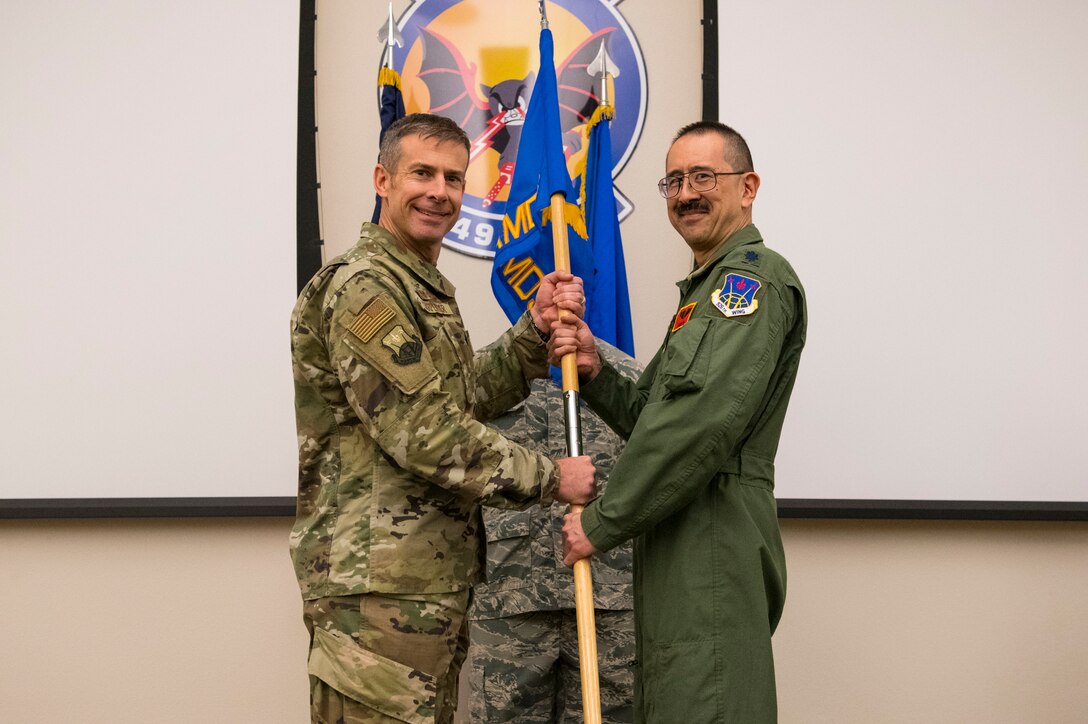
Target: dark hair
<point>424,125</point>
<point>736,148</point>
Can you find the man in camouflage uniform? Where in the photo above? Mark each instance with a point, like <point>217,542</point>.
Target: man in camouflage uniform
<point>393,459</point>
<point>523,656</point>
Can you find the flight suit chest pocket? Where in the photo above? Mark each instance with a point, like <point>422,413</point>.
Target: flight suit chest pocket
<point>687,357</point>
<point>448,344</point>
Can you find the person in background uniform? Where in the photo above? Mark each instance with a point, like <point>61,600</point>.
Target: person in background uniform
<point>523,651</point>
<point>394,460</point>
<point>695,485</point>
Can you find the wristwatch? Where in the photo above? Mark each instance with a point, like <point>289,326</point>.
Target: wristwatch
<point>544,336</point>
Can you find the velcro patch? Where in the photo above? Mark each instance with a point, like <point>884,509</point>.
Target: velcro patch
<point>737,296</point>
<point>406,348</point>
<point>683,316</point>
<point>373,317</point>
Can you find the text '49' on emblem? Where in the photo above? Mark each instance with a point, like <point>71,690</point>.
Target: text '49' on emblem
<point>475,61</point>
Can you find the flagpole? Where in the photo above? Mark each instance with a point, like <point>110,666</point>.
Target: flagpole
<point>390,100</point>
<point>583,577</point>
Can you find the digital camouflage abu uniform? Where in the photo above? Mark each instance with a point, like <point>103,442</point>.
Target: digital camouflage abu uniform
<point>393,464</point>
<point>695,487</point>
<point>523,656</point>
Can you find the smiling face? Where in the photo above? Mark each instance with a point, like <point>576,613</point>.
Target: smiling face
<point>421,194</point>
<point>706,218</point>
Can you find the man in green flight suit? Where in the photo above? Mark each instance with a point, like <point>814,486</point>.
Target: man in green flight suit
<point>695,485</point>
<point>523,663</point>
<point>394,459</point>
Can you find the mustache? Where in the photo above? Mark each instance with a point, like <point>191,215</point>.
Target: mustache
<point>692,205</point>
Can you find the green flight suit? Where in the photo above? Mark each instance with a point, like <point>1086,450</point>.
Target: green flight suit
<point>695,487</point>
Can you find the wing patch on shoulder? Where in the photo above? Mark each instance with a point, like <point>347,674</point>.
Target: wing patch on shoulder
<point>737,295</point>
<point>371,320</point>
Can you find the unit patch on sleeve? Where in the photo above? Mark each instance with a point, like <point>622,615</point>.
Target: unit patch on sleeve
<point>407,349</point>
<point>683,316</point>
<point>737,297</point>
<point>373,317</point>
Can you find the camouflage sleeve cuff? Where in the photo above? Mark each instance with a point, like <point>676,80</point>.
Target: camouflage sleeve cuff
<point>550,484</point>
<point>544,336</point>
<point>530,350</point>
<point>525,330</point>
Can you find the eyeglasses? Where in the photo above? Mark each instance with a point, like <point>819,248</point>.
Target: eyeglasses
<point>698,181</point>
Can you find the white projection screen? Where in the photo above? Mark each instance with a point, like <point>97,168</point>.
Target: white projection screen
<point>148,231</point>
<point>924,166</point>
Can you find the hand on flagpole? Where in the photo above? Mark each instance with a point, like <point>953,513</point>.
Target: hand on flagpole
<point>576,476</point>
<point>576,545</point>
<point>572,335</point>
<point>558,291</point>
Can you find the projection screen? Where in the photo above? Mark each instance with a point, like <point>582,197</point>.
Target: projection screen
<point>926,163</point>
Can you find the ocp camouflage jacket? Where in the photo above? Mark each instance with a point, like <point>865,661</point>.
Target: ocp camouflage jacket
<point>393,458</point>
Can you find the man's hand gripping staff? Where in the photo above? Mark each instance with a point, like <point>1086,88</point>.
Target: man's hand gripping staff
<point>571,336</point>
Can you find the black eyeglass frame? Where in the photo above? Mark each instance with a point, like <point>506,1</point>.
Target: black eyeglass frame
<point>663,184</point>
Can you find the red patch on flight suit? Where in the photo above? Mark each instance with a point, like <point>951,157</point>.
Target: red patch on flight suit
<point>683,316</point>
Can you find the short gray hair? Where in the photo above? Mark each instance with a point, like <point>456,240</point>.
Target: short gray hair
<point>424,125</point>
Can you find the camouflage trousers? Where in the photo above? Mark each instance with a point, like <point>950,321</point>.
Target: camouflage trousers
<point>386,657</point>
<point>524,668</point>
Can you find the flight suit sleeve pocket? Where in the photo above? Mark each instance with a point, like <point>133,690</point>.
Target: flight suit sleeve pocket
<point>686,363</point>
<point>396,690</point>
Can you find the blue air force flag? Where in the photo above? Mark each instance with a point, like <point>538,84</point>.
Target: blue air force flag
<point>525,253</point>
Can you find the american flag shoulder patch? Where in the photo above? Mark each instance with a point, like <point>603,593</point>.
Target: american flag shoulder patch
<point>374,316</point>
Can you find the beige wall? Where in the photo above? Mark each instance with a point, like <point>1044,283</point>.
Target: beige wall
<point>194,621</point>
<point>199,620</point>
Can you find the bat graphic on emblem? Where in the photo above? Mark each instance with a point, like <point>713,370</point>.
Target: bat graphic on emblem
<point>492,116</point>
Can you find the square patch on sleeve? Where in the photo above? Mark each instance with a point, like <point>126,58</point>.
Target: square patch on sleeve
<point>370,321</point>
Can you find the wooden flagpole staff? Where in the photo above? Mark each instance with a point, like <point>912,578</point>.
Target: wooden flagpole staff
<point>583,577</point>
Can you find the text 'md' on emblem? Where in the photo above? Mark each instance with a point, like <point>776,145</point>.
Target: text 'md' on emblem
<point>475,61</point>
<point>737,297</point>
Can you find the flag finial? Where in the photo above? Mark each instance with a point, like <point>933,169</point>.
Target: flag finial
<point>543,16</point>
<point>389,35</point>
<point>603,67</point>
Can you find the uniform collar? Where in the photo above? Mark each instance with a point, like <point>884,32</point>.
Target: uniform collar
<point>741,237</point>
<point>424,272</point>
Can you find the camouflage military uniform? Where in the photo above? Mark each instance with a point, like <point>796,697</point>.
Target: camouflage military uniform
<point>393,464</point>
<point>523,657</point>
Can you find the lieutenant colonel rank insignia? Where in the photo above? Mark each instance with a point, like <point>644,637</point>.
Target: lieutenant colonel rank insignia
<point>683,316</point>
<point>737,297</point>
<point>406,348</point>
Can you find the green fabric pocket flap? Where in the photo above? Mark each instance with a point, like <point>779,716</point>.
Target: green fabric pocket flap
<point>392,688</point>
